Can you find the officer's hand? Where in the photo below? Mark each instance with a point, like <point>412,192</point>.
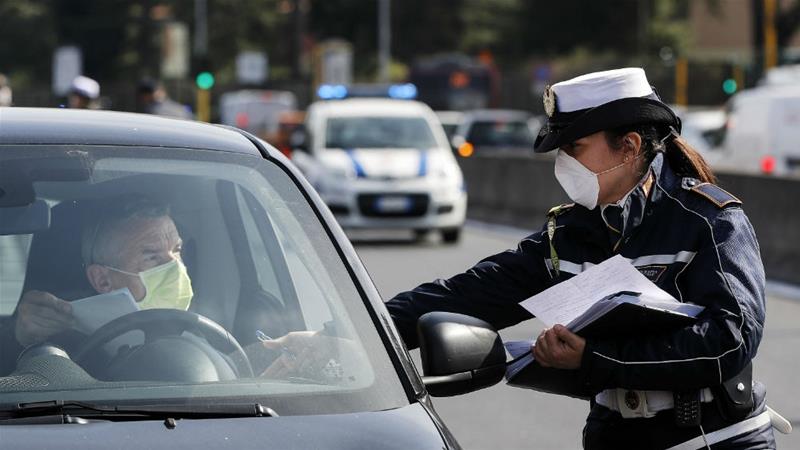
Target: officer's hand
<point>308,354</point>
<point>290,346</point>
<point>560,348</point>
<point>41,315</point>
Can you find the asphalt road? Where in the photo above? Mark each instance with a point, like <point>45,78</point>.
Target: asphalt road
<point>511,418</point>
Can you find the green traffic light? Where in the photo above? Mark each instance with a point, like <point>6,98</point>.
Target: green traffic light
<point>729,86</point>
<point>205,80</point>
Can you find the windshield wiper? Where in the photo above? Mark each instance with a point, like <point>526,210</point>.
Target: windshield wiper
<point>90,410</point>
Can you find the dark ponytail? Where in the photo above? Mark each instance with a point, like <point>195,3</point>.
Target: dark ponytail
<point>686,161</point>
<point>679,154</point>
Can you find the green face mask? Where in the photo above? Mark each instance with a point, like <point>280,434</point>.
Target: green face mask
<point>166,286</point>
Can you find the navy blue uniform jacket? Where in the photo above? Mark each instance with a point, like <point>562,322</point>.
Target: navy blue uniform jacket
<point>691,239</point>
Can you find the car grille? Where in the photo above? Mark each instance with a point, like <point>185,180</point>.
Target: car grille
<point>417,205</point>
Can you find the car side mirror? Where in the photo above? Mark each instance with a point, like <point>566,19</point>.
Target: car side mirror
<point>459,353</point>
<point>298,140</point>
<point>457,141</point>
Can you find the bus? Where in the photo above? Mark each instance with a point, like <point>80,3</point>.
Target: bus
<point>455,82</point>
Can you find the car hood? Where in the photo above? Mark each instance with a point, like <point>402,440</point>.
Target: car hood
<point>402,428</point>
<point>379,163</point>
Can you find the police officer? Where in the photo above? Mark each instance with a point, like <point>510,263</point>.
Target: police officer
<point>151,98</point>
<point>83,93</point>
<point>641,191</point>
<point>5,91</point>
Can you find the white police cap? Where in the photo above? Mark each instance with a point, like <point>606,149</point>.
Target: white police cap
<point>85,87</point>
<point>599,101</point>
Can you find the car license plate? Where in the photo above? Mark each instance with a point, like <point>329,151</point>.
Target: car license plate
<point>393,204</point>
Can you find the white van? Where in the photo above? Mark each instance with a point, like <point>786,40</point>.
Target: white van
<point>383,163</point>
<point>762,132</point>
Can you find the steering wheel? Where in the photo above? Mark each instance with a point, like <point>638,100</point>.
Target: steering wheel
<point>159,323</point>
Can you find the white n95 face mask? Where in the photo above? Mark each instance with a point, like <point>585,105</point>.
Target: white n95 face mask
<point>580,183</point>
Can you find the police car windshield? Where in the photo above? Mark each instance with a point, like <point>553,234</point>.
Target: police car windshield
<point>378,132</point>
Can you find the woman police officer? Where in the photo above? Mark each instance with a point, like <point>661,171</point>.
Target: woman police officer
<point>642,192</point>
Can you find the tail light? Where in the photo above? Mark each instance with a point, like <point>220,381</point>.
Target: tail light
<point>768,165</point>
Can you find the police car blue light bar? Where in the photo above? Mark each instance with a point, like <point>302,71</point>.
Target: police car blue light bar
<point>403,91</point>
<point>332,91</point>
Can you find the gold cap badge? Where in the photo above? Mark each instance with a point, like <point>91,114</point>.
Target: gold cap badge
<point>549,100</point>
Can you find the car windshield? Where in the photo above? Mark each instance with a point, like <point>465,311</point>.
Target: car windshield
<point>378,132</point>
<point>192,276</point>
<point>500,133</point>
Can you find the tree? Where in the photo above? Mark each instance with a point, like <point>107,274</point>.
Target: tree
<point>29,25</point>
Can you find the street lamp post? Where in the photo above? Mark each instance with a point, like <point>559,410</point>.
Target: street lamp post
<point>384,39</point>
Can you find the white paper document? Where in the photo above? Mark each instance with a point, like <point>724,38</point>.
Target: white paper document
<point>562,303</point>
<point>93,312</point>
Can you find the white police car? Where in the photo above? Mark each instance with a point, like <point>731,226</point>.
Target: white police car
<point>382,163</point>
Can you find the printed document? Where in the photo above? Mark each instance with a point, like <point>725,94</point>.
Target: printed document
<point>93,312</point>
<point>609,299</point>
<point>562,303</point>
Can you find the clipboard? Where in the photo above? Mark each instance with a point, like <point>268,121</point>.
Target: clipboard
<point>619,315</point>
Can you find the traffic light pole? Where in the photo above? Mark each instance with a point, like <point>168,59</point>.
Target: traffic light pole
<point>203,105</point>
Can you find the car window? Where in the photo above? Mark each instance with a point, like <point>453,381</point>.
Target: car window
<point>13,257</point>
<point>259,263</point>
<point>314,308</point>
<point>265,269</point>
<point>500,133</point>
<point>378,132</point>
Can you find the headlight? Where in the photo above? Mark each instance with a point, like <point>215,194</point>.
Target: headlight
<point>443,169</point>
<point>446,170</point>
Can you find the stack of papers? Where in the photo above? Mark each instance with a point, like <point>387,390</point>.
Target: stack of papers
<point>567,300</point>
<point>590,318</point>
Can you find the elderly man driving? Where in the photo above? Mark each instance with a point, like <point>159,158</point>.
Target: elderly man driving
<point>133,245</point>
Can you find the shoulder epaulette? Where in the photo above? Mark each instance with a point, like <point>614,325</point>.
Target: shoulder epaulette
<point>556,210</point>
<point>715,194</point>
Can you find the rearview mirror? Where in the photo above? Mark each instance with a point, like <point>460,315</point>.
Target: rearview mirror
<point>457,141</point>
<point>459,354</point>
<point>26,219</point>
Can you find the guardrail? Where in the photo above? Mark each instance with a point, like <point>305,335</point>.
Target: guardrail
<point>518,190</point>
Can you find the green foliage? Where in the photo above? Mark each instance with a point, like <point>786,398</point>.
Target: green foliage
<point>27,33</point>
<point>626,27</point>
<point>121,38</point>
<point>485,22</point>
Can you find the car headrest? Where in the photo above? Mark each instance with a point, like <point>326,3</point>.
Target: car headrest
<point>54,261</point>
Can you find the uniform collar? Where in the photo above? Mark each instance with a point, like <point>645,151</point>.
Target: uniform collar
<point>633,205</point>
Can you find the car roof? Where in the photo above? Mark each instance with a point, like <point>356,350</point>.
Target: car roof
<point>497,114</point>
<point>361,106</point>
<point>450,116</point>
<point>92,127</point>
